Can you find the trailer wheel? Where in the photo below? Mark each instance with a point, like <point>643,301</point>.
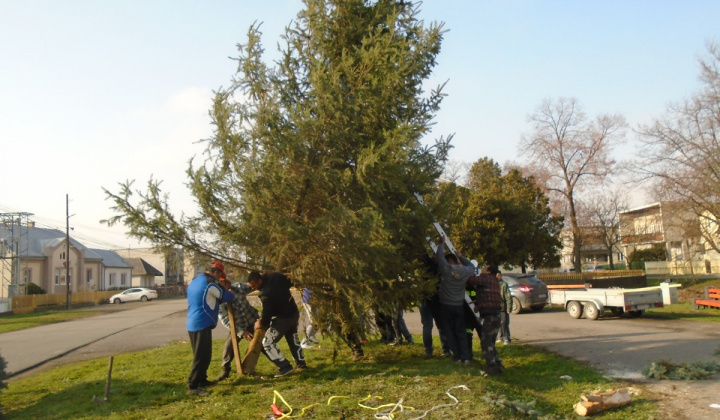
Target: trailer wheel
<point>591,311</point>
<point>575,309</point>
<point>635,314</point>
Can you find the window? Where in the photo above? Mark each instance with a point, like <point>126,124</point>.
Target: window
<point>111,279</point>
<point>27,275</point>
<point>60,274</point>
<point>123,278</point>
<point>88,275</point>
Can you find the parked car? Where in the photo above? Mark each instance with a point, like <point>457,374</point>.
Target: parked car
<point>594,268</point>
<point>528,292</point>
<point>135,293</point>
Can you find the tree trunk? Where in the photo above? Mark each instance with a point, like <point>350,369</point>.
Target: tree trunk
<point>598,403</point>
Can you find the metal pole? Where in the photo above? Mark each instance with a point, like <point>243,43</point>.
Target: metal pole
<point>67,247</point>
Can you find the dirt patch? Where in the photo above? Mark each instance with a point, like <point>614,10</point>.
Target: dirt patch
<point>686,399</point>
<point>688,295</point>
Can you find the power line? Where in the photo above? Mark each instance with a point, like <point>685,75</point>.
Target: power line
<point>55,224</point>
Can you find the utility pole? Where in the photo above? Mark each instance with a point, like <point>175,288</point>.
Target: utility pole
<point>67,248</point>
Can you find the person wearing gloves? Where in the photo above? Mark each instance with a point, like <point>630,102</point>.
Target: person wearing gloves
<point>244,315</point>
<point>279,318</point>
<point>204,296</point>
<point>454,275</point>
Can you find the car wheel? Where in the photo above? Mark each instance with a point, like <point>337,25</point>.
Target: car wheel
<point>117,300</point>
<point>591,311</point>
<point>516,306</point>
<point>635,314</point>
<point>575,309</point>
<point>144,298</point>
<point>537,308</point>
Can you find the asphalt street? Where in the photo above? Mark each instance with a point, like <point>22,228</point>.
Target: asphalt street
<point>140,325</point>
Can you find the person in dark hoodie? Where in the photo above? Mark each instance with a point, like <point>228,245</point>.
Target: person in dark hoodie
<point>279,317</point>
<point>454,275</point>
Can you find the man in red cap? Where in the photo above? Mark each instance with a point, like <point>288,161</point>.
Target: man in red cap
<point>204,298</point>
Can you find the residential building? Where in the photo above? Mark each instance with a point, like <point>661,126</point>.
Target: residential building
<point>593,250</point>
<point>710,229</point>
<point>46,258</point>
<point>143,274</point>
<point>170,263</point>
<point>665,224</point>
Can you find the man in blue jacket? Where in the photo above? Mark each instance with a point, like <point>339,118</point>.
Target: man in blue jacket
<point>204,297</point>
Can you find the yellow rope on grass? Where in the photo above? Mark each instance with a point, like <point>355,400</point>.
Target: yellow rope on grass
<point>390,415</point>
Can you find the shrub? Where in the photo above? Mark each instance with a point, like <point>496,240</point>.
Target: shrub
<point>34,289</point>
<point>638,257</point>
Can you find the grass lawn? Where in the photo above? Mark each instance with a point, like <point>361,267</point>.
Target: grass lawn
<point>683,310</point>
<point>17,322</point>
<point>152,384</point>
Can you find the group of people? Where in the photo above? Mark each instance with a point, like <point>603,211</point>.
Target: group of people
<point>211,296</point>
<point>456,320</point>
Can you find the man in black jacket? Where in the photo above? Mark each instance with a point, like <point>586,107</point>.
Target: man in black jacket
<point>280,317</point>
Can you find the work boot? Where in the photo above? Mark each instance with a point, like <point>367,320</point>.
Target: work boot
<point>206,383</point>
<point>284,371</point>
<point>223,375</point>
<point>494,370</point>
<point>199,392</point>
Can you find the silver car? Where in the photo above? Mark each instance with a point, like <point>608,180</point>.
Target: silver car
<point>135,293</point>
<point>528,292</point>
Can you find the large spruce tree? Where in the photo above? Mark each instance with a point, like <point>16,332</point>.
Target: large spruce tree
<point>314,160</point>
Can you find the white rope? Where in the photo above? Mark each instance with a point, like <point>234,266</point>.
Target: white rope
<point>444,405</point>
<point>389,414</point>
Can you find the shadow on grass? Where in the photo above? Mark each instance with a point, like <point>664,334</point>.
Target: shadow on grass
<point>87,400</point>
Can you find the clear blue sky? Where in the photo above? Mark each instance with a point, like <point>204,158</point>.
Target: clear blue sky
<point>95,92</point>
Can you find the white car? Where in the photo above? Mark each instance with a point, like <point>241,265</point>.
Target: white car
<point>136,293</point>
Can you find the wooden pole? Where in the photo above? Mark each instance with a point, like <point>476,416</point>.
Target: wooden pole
<point>234,338</point>
<point>109,377</point>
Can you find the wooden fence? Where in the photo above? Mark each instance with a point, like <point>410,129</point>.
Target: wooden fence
<point>28,303</point>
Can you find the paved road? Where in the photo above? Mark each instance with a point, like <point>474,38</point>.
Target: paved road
<point>620,347</point>
<point>139,325</point>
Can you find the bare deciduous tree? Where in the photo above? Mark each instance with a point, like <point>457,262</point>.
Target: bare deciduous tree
<point>680,151</point>
<point>602,212</point>
<point>572,152</point>
<point>455,171</point>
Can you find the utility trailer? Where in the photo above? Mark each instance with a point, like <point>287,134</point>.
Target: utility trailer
<point>593,302</point>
